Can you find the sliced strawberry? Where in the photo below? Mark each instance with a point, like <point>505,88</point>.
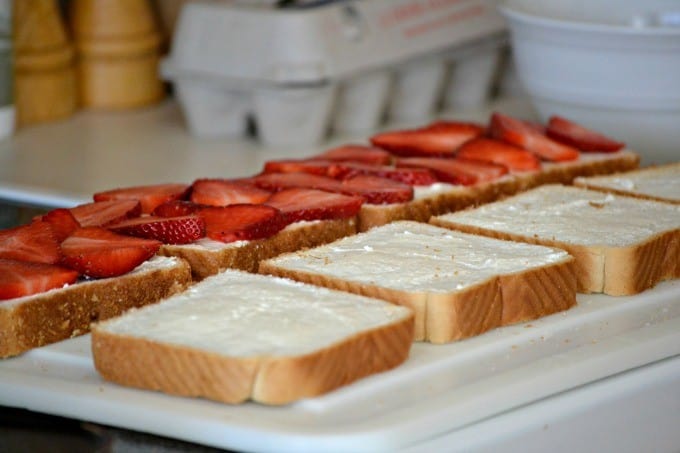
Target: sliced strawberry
<point>312,204</point>
<point>241,222</point>
<point>498,152</point>
<point>518,133</point>
<point>410,176</point>
<point>149,196</point>
<point>21,278</point>
<point>168,230</point>
<point>176,208</point>
<point>63,222</point>
<point>280,181</point>
<point>438,139</point>
<point>376,190</point>
<point>312,166</point>
<point>357,153</point>
<point>457,171</point>
<point>35,242</point>
<point>102,213</point>
<point>572,134</point>
<point>538,127</point>
<point>373,189</point>
<point>97,252</point>
<point>222,192</point>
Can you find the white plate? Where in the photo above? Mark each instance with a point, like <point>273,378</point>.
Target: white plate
<point>439,390</point>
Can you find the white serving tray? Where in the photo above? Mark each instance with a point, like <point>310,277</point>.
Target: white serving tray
<point>437,392</point>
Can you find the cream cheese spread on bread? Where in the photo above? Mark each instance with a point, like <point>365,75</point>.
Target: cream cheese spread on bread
<point>413,256</point>
<point>241,314</point>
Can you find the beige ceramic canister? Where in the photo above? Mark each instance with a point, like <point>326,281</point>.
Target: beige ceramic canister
<point>118,45</point>
<point>44,73</point>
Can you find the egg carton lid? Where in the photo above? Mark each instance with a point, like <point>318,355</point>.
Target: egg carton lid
<point>308,45</point>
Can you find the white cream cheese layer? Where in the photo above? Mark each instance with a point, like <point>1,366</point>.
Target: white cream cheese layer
<point>239,314</point>
<point>662,182</point>
<point>417,257</point>
<point>574,215</point>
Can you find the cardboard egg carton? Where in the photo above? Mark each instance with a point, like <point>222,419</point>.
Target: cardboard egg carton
<point>346,66</point>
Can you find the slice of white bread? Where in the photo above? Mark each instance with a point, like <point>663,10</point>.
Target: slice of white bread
<point>55,315</point>
<point>661,183</point>
<point>207,257</point>
<point>236,336</point>
<point>444,198</point>
<point>458,285</point>
<point>622,245</point>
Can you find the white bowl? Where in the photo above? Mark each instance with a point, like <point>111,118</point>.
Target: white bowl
<point>613,65</point>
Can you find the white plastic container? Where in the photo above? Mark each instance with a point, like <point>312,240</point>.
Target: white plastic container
<point>613,65</point>
<point>334,66</point>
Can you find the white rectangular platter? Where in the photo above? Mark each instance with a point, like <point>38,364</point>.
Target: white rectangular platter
<point>440,389</point>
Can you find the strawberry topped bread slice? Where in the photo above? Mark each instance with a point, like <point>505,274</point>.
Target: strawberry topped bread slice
<point>216,224</point>
<point>414,174</point>
<point>245,221</point>
<point>57,276</point>
<point>518,155</point>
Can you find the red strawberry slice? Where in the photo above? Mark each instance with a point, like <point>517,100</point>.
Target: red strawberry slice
<point>222,192</point>
<point>97,252</point>
<point>376,190</point>
<point>498,152</point>
<point>148,196</point>
<point>410,176</point>
<point>241,222</point>
<point>62,221</point>
<point>572,134</point>
<point>357,153</point>
<point>312,166</point>
<point>280,181</point>
<point>35,242</point>
<point>176,208</point>
<point>373,189</point>
<point>168,230</point>
<point>518,133</point>
<point>311,204</point>
<point>438,139</point>
<point>104,212</point>
<point>21,278</point>
<point>457,171</point>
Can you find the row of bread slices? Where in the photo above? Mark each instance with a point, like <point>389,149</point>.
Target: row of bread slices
<point>124,227</point>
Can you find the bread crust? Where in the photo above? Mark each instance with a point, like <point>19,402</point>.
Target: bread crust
<point>205,262</point>
<point>616,271</point>
<point>539,292</point>
<point>68,312</point>
<point>463,197</point>
<point>184,371</point>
